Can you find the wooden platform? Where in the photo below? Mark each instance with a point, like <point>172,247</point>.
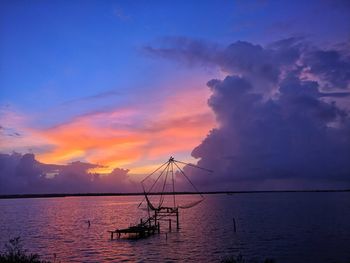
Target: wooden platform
<point>143,229</point>
<point>149,226</point>
<point>135,231</point>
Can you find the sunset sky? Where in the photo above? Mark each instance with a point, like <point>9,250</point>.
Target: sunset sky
<point>123,84</point>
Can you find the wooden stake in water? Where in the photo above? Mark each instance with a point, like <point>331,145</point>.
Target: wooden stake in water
<point>234,224</point>
<point>177,219</point>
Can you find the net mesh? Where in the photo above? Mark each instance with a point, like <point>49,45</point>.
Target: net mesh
<point>161,186</point>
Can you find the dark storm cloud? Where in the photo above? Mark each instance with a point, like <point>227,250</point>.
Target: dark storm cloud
<point>24,174</point>
<point>330,66</point>
<point>241,56</point>
<point>259,63</point>
<point>290,135</point>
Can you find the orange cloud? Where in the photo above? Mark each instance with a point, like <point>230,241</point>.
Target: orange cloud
<point>127,137</point>
<point>92,138</point>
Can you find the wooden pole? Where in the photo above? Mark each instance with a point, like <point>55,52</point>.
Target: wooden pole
<point>170,225</point>
<point>177,218</point>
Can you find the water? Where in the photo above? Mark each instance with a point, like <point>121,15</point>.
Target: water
<point>288,227</point>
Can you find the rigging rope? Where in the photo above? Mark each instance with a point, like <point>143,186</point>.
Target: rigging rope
<point>195,188</point>
<point>161,195</point>
<point>169,168</point>
<point>154,182</point>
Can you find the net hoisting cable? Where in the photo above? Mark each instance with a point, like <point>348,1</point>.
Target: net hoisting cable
<point>194,166</point>
<point>172,177</point>
<point>167,171</point>
<point>143,187</point>
<point>161,195</point>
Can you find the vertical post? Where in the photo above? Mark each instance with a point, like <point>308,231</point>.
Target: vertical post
<point>155,217</point>
<point>234,224</point>
<point>111,235</point>
<point>141,221</point>
<point>173,180</point>
<point>177,218</point>
<point>158,228</point>
<point>170,225</point>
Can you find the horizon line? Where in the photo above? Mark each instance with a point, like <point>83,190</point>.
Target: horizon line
<point>57,195</point>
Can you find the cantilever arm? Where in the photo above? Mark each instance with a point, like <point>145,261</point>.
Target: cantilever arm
<point>195,166</point>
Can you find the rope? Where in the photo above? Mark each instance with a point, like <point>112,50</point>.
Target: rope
<point>172,177</point>
<point>195,188</point>
<point>195,166</point>
<point>161,195</point>
<point>154,182</point>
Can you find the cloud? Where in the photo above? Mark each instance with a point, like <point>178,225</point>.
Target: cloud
<point>150,128</point>
<point>192,52</point>
<point>123,137</point>
<point>279,124</point>
<point>330,66</point>
<point>102,95</point>
<point>23,174</point>
<point>4,131</point>
<point>15,133</point>
<point>261,64</point>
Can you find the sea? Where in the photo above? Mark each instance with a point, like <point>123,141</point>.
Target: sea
<point>287,227</point>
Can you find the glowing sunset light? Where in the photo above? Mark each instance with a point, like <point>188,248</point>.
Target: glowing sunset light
<point>123,138</point>
<point>230,86</point>
<point>223,127</point>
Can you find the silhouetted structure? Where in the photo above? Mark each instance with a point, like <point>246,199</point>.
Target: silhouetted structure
<point>163,206</point>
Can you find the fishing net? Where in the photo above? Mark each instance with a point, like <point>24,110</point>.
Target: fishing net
<point>162,187</point>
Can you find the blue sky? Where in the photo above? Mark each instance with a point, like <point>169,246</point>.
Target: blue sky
<point>63,61</point>
<point>53,51</point>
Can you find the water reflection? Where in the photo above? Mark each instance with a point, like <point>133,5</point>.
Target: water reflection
<point>290,227</point>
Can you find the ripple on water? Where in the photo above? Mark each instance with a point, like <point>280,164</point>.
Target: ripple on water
<point>265,228</point>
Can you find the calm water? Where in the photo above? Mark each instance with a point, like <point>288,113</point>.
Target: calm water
<point>289,227</point>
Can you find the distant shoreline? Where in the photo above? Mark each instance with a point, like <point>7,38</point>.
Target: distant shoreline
<point>16,196</point>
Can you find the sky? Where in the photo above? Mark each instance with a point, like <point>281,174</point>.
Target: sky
<point>98,93</point>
